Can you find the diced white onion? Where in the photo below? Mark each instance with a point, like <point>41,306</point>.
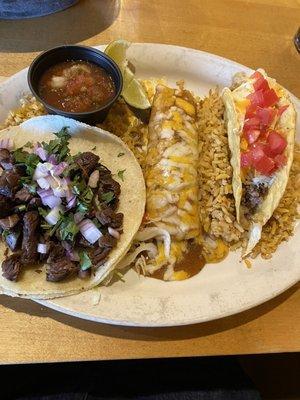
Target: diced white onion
<point>114,233</point>
<point>44,183</point>
<point>93,179</point>
<point>41,152</point>
<point>71,202</point>
<point>59,168</point>
<point>53,216</point>
<point>42,248</point>
<point>89,231</point>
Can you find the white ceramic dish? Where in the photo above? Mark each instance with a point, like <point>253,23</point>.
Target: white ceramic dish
<point>218,290</point>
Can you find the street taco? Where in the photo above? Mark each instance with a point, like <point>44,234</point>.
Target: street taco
<point>72,198</point>
<point>261,123</point>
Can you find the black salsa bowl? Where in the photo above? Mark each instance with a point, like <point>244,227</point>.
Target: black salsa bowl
<point>66,53</point>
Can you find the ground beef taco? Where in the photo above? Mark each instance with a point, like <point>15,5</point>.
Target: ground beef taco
<point>261,123</point>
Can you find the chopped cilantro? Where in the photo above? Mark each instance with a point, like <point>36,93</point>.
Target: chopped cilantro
<point>42,212</point>
<point>107,197</point>
<point>121,174</point>
<point>94,148</point>
<point>5,233</point>
<point>21,207</point>
<point>121,154</point>
<point>30,160</point>
<point>59,146</point>
<point>67,229</point>
<point>29,145</point>
<point>85,261</point>
<point>31,187</point>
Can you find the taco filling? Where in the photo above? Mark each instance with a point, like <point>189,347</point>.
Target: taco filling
<point>56,208</point>
<point>262,143</point>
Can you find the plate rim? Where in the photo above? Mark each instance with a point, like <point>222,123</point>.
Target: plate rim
<point>183,322</point>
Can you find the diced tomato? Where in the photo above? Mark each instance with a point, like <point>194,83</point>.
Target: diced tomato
<point>276,143</point>
<point>252,135</point>
<point>256,75</point>
<point>270,98</point>
<point>282,109</point>
<point>257,151</point>
<point>280,160</point>
<point>266,115</point>
<point>256,98</point>
<point>250,111</point>
<point>246,159</point>
<point>261,84</point>
<point>251,123</point>
<point>265,165</point>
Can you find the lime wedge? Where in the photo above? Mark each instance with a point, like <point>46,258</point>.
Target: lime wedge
<point>117,51</point>
<point>133,92</point>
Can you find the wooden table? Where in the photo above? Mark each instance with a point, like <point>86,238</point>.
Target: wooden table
<point>255,33</point>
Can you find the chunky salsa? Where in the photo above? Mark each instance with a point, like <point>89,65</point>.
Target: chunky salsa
<point>76,86</point>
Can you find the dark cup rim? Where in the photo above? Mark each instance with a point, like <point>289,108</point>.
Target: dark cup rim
<point>69,113</point>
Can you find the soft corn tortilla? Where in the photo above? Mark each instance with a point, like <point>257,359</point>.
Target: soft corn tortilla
<point>235,115</point>
<point>132,201</point>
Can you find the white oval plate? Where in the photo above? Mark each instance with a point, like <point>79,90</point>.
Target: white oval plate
<point>218,290</point>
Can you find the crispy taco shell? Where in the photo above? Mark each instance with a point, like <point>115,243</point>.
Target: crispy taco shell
<point>132,201</point>
<point>235,114</point>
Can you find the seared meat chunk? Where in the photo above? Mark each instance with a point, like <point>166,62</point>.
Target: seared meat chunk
<point>83,274</point>
<point>98,256</point>
<point>61,269</point>
<point>6,159</point>
<point>23,195</point>
<point>11,267</point>
<point>5,206</point>
<point>9,183</point>
<point>253,196</point>
<point>56,253</point>
<point>87,162</point>
<point>9,222</point>
<point>59,266</point>
<point>35,203</point>
<point>107,242</point>
<point>13,239</point>
<point>30,241</point>
<point>107,217</point>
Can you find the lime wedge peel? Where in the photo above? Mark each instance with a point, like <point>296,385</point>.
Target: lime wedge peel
<point>133,92</point>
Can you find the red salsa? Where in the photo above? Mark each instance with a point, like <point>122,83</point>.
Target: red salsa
<point>76,86</point>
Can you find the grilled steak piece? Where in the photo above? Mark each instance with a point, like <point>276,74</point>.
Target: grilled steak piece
<point>30,235</point>
<point>13,239</point>
<point>11,267</point>
<point>56,253</point>
<point>61,269</point>
<point>107,242</point>
<point>5,206</point>
<point>253,196</point>
<point>9,183</point>
<point>6,159</point>
<point>23,195</point>
<point>9,222</point>
<point>35,203</point>
<point>59,266</point>
<point>84,274</point>
<point>107,217</point>
<point>87,162</point>
<point>99,255</point>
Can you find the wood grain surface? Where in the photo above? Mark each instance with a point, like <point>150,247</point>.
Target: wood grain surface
<point>257,33</point>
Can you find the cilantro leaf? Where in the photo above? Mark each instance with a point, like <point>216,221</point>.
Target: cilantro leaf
<point>59,146</point>
<point>85,261</point>
<point>29,160</point>
<point>121,154</point>
<point>107,197</point>
<point>68,229</point>
<point>121,174</point>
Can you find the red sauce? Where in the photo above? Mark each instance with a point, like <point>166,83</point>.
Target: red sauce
<point>76,86</point>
